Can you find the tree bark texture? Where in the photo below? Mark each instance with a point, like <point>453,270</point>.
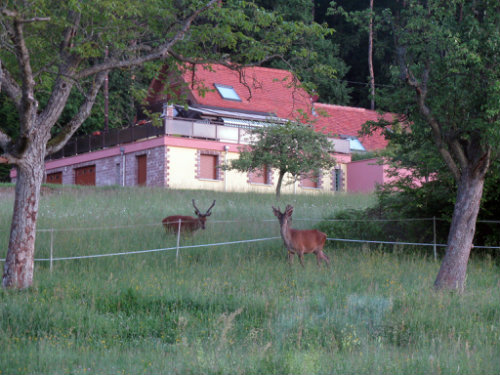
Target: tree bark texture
<point>452,274</point>
<point>19,263</point>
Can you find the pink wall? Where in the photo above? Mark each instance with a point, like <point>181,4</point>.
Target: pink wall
<point>402,172</point>
<point>130,148</point>
<point>364,175</point>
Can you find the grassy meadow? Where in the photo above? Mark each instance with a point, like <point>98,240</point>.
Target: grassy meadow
<point>232,308</point>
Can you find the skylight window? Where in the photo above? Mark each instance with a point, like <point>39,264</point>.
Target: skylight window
<point>354,143</point>
<point>227,92</point>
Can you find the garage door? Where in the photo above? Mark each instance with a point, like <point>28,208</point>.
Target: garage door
<point>85,175</point>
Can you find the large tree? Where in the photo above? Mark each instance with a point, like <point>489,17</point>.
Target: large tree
<point>448,54</point>
<point>293,148</point>
<point>50,49</point>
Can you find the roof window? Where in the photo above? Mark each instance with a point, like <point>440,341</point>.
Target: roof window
<point>354,143</point>
<point>227,92</point>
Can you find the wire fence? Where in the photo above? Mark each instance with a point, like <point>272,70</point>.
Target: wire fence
<point>52,232</point>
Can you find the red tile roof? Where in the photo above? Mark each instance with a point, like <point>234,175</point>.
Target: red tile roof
<point>341,120</point>
<point>273,91</point>
<point>260,89</point>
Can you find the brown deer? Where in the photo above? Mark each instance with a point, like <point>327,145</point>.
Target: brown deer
<point>188,224</point>
<point>300,242</point>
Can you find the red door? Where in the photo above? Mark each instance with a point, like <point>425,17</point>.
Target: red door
<point>142,169</point>
<point>85,175</point>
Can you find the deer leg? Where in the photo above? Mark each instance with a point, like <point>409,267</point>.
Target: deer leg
<point>301,258</point>
<point>325,257</point>
<point>320,255</point>
<point>290,258</point>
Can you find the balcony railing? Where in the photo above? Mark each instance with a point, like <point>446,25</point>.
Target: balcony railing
<point>113,137</point>
<point>177,127</point>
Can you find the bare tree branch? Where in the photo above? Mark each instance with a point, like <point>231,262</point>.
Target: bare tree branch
<point>70,32</point>
<point>157,53</point>
<point>14,14</point>
<point>10,86</point>
<point>4,141</point>
<point>421,92</point>
<point>28,104</point>
<point>56,143</point>
<point>58,98</point>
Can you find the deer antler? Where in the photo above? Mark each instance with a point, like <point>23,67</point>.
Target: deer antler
<point>196,211</point>
<point>208,213</point>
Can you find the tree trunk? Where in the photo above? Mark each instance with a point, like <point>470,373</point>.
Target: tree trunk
<point>19,263</point>
<point>453,269</point>
<point>370,58</point>
<point>278,186</point>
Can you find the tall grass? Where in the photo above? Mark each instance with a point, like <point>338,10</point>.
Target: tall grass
<point>237,308</point>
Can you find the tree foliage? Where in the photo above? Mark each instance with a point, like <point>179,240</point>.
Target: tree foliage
<point>447,84</point>
<point>291,148</point>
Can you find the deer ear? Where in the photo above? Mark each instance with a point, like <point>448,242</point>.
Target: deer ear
<point>276,211</point>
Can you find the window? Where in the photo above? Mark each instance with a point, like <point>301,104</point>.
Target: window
<point>227,92</point>
<point>338,179</point>
<point>260,176</point>
<point>310,180</point>
<point>54,178</point>
<point>208,166</point>
<point>354,143</point>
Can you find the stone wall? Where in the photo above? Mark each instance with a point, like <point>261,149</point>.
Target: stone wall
<point>111,170</point>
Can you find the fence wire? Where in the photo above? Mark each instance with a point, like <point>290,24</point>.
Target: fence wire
<point>52,231</point>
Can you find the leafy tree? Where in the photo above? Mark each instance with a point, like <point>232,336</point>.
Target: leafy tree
<point>315,61</point>
<point>51,50</point>
<point>449,90</point>
<point>293,148</point>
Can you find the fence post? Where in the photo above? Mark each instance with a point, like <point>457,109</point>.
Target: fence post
<point>434,232</point>
<point>51,247</point>
<point>178,240</point>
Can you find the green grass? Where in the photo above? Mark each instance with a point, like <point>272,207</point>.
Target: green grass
<point>233,309</point>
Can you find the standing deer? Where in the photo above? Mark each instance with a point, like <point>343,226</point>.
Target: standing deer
<point>188,223</point>
<point>300,242</point>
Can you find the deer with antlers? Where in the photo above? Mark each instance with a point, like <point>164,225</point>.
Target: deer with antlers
<point>300,242</point>
<point>188,224</point>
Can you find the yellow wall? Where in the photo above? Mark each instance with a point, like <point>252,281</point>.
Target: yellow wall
<point>182,175</point>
